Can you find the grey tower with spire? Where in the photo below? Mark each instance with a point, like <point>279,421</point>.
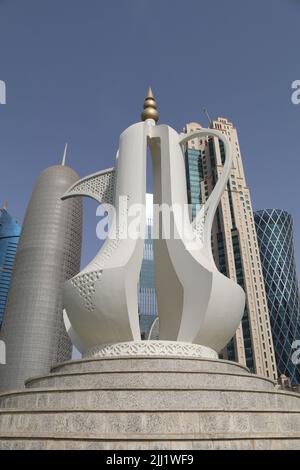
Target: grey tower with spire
<point>48,254</point>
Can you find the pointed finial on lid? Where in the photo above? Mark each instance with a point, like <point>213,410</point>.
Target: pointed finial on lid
<point>5,205</point>
<point>150,108</point>
<point>65,155</point>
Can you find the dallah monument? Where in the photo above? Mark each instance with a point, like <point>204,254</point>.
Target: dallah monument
<point>173,393</point>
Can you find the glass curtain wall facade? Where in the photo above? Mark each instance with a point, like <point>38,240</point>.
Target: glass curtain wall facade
<point>274,229</point>
<point>9,238</point>
<point>147,295</point>
<point>194,175</point>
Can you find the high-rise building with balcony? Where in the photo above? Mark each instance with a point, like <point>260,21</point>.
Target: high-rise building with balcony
<point>234,242</point>
<point>9,238</point>
<point>274,230</point>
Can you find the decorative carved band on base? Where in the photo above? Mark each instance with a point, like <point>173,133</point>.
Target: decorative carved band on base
<point>152,349</point>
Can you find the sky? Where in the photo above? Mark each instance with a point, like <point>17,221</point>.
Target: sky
<point>77,71</point>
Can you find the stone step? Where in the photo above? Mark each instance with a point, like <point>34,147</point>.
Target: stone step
<point>153,379</point>
<point>170,425</point>
<point>208,442</point>
<point>143,364</point>
<point>149,400</point>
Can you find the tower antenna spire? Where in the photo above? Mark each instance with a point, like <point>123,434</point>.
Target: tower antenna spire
<point>150,107</point>
<point>205,112</point>
<point>65,155</point>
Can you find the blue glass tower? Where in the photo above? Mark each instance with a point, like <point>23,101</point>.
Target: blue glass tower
<point>194,175</point>
<point>147,295</point>
<point>274,229</point>
<point>9,238</point>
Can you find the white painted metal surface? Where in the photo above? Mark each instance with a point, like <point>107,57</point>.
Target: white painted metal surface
<point>196,303</point>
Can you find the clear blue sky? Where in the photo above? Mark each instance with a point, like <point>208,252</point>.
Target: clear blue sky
<point>78,70</point>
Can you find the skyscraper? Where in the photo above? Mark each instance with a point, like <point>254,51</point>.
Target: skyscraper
<point>234,242</point>
<point>147,295</point>
<point>48,254</point>
<point>9,238</point>
<point>274,229</point>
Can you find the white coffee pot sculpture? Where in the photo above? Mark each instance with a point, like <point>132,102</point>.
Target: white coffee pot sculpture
<point>196,303</point>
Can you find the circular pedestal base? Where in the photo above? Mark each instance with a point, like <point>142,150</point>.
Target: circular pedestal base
<point>152,349</point>
<point>123,403</point>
